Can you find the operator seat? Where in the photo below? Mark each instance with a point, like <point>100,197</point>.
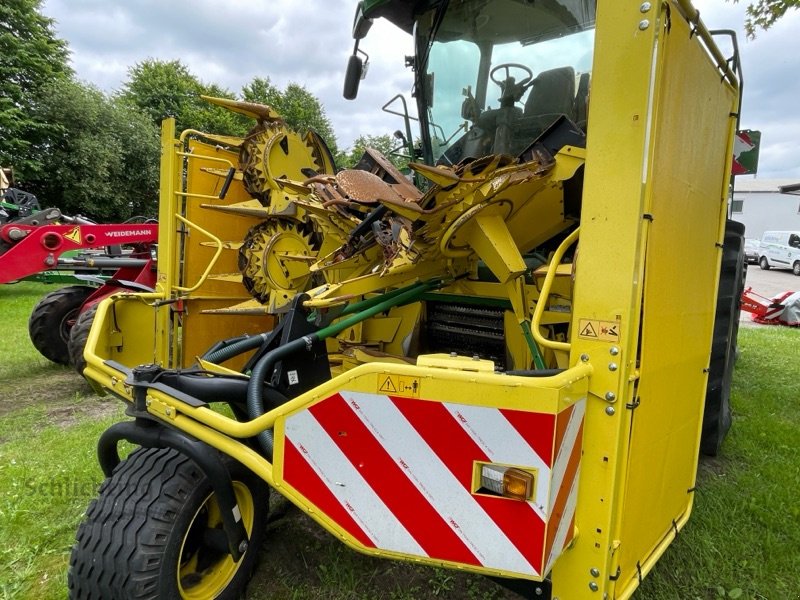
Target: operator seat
<point>552,95</point>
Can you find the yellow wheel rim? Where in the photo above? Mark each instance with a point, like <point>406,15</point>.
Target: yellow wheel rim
<point>204,572</point>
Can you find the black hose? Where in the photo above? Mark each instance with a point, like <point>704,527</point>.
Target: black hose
<point>255,387</point>
<point>265,365</point>
<point>220,355</point>
<point>535,372</point>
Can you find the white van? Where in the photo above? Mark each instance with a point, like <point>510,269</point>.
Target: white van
<point>781,250</point>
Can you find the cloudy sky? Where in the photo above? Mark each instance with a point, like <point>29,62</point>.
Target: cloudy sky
<point>308,42</point>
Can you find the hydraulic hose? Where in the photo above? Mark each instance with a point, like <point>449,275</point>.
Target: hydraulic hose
<point>535,373</point>
<point>240,346</point>
<point>265,365</point>
<point>255,388</point>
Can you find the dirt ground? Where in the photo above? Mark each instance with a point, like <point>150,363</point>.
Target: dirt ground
<point>66,396</point>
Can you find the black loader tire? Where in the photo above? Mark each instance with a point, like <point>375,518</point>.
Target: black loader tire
<point>77,338</point>
<point>717,416</point>
<point>53,318</point>
<point>136,533</point>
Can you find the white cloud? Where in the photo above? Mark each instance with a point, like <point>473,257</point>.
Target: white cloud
<point>231,42</point>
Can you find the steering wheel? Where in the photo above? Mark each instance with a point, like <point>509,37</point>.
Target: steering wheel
<point>507,67</point>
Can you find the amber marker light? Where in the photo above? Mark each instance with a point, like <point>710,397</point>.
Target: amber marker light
<point>517,484</point>
<point>508,482</point>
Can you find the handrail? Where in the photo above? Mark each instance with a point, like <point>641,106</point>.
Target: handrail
<point>202,134</point>
<point>548,282</point>
<point>189,155</point>
<point>244,429</point>
<point>217,242</point>
<point>692,15</point>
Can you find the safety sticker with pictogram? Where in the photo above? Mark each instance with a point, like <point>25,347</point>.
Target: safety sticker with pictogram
<point>594,329</point>
<point>74,235</point>
<point>398,385</point>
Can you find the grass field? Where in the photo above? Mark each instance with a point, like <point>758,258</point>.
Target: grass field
<point>743,540</point>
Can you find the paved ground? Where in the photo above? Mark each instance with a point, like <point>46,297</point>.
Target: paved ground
<point>769,283</point>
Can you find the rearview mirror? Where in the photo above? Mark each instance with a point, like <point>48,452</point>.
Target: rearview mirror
<point>353,76</point>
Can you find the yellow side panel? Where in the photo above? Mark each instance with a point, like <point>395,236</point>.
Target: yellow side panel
<point>201,330</point>
<point>652,214</point>
<point>688,187</point>
<point>608,272</point>
<point>127,331</point>
<point>227,227</point>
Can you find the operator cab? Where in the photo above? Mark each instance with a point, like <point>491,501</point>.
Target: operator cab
<point>492,76</point>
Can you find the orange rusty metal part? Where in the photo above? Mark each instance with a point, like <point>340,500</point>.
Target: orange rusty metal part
<point>366,188</point>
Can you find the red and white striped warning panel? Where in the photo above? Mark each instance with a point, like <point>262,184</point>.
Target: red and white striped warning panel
<point>398,474</point>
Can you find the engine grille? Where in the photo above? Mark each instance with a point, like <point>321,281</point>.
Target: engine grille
<point>468,330</point>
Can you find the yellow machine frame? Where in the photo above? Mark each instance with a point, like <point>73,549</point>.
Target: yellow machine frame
<point>661,121</point>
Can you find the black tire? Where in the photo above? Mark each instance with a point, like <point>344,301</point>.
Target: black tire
<point>717,416</point>
<point>796,268</point>
<point>763,263</point>
<point>53,318</point>
<point>148,517</point>
<point>77,338</point>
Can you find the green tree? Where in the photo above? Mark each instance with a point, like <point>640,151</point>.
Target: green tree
<point>763,14</point>
<point>31,57</point>
<point>101,157</point>
<point>168,89</point>
<point>300,108</point>
<point>262,91</point>
<point>391,147</point>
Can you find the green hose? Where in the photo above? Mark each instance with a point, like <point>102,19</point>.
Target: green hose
<point>265,365</point>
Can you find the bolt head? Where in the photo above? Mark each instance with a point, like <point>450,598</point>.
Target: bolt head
<point>595,572</point>
<point>243,546</point>
<point>645,7</point>
<point>644,24</point>
<point>613,366</point>
<point>610,411</point>
<point>613,351</point>
<point>611,397</point>
<point>593,586</point>
<point>584,358</point>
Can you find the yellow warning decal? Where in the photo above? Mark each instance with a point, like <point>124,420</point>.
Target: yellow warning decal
<point>74,235</point>
<point>398,385</point>
<point>593,329</point>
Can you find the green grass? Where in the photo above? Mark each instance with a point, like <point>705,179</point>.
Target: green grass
<point>742,540</point>
<point>49,424</point>
<point>16,350</point>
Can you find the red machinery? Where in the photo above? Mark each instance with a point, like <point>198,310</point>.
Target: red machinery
<point>783,309</point>
<point>34,245</point>
<point>27,249</point>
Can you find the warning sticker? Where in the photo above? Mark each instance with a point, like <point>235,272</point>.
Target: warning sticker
<point>398,385</point>
<point>593,329</point>
<point>74,235</point>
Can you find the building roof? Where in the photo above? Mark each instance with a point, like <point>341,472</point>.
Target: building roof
<point>749,186</point>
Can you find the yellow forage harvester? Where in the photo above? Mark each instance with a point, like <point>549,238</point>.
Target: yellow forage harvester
<point>497,362</point>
